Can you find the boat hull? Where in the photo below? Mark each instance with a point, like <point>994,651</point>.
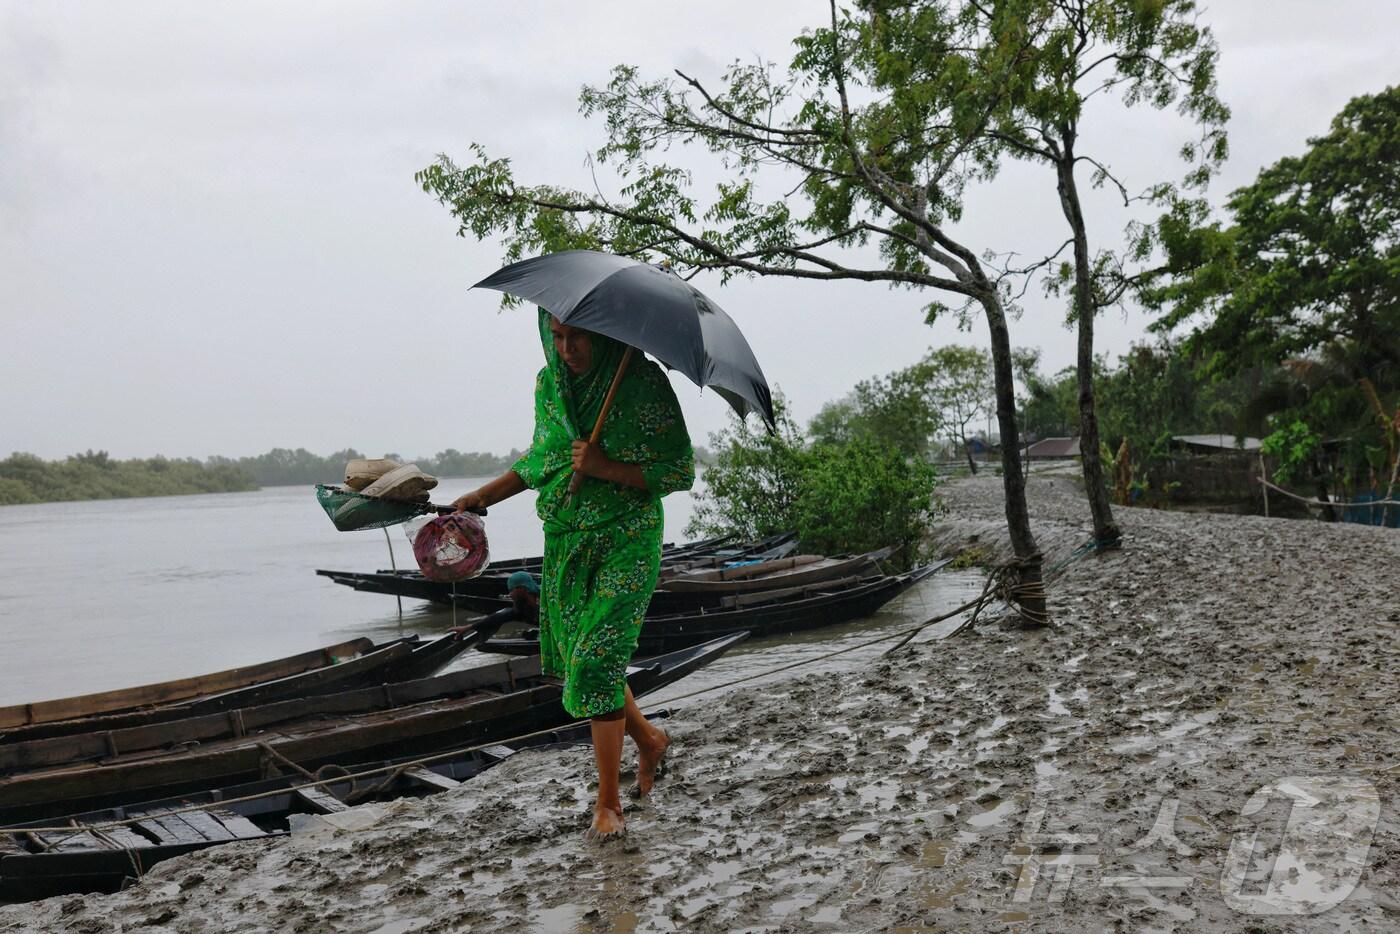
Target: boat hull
<point>418,717</point>
<point>661,634</point>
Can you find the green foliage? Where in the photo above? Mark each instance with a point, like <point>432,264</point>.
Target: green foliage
<point>978,556</point>
<point>1307,272</point>
<point>891,411</point>
<point>852,496</point>
<point>941,396</point>
<point>754,480</point>
<point>1050,406</point>
<point>25,478</point>
<point>287,467</point>
<point>1161,390</point>
<point>861,496</point>
<point>453,463</point>
<point>957,382</point>
<point>884,115</point>
<point>1296,446</point>
<point>1310,263</point>
<point>1156,54</point>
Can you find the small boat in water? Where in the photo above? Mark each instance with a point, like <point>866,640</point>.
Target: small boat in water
<point>476,705</point>
<point>688,590</point>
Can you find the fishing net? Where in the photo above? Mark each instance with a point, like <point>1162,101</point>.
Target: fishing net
<point>351,511</point>
<point>450,548</point>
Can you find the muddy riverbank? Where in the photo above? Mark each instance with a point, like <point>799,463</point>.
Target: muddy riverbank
<point>1092,776</point>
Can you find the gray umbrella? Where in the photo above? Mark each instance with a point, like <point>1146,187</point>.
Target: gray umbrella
<point>649,308</point>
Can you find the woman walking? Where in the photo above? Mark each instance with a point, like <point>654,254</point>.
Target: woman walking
<point>602,547</point>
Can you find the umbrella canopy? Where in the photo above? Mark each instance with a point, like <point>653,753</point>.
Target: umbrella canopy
<point>650,308</point>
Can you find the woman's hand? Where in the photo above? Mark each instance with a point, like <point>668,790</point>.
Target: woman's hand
<point>590,460</point>
<point>472,500</point>
<point>489,494</point>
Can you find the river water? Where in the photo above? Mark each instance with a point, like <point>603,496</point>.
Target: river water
<point>113,593</point>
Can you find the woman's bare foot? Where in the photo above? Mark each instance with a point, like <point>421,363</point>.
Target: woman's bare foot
<point>607,824</point>
<point>649,763</point>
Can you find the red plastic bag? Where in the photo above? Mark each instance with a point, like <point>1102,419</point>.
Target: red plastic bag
<point>451,548</point>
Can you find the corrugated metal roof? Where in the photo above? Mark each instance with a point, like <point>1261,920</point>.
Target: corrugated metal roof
<point>1219,442</point>
<point>1054,447</point>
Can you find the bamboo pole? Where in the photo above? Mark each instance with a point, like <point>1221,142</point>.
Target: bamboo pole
<point>1264,475</point>
<point>577,479</point>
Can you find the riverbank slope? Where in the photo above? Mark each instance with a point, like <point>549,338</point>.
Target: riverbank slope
<point>1210,657</point>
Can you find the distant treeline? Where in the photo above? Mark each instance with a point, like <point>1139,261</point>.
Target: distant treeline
<point>285,467</point>
<point>25,478</point>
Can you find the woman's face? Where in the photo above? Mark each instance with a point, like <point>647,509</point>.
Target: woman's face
<point>575,346</point>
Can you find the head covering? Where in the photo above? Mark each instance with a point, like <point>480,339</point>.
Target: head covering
<point>522,579</point>
<point>644,427</point>
<point>582,395</point>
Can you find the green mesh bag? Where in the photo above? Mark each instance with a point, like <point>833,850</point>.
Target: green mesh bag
<point>351,511</point>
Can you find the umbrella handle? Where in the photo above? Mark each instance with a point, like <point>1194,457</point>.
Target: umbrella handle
<point>576,480</point>
<point>449,510</point>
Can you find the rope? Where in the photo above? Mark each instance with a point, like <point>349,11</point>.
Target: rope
<point>1314,501</point>
<point>393,566</point>
<point>132,854</point>
<point>1003,585</point>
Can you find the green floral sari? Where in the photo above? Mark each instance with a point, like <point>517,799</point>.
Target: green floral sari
<point>602,548</point>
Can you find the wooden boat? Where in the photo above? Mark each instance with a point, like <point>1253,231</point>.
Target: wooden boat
<point>765,613</point>
<point>710,553</point>
<point>400,660</point>
<point>167,692</point>
<point>792,571</point>
<point>92,858</point>
<point>693,590</point>
<point>409,582</point>
<point>476,705</point>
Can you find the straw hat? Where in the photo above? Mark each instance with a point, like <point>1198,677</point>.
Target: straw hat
<point>405,483</point>
<point>361,471</point>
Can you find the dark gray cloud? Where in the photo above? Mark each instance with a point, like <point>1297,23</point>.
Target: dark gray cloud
<point>212,242</point>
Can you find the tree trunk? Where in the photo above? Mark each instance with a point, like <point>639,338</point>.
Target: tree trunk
<point>1018,521</point>
<point>967,449</point>
<point>1105,529</point>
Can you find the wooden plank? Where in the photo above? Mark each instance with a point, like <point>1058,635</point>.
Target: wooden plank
<point>803,574</point>
<point>210,828</point>
<point>67,842</point>
<point>320,801</point>
<point>768,596</point>
<point>125,837</point>
<point>163,834</point>
<point>237,824</point>
<point>499,751</point>
<point>87,841</point>
<point>431,779</point>
<point>168,828</point>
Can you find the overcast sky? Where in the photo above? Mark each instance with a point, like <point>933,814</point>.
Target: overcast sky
<point>211,242</point>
